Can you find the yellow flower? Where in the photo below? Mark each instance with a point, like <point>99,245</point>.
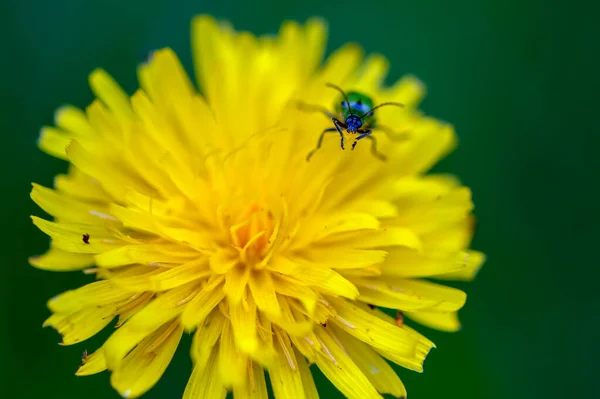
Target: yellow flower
<point>199,213</point>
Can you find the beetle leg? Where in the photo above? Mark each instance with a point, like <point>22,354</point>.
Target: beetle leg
<point>393,135</point>
<point>314,108</point>
<point>339,126</point>
<point>367,134</point>
<point>329,130</point>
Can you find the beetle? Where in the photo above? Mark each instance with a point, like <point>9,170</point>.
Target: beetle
<point>356,116</point>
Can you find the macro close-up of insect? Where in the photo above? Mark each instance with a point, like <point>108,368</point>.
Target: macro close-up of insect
<point>293,200</point>
<point>355,115</point>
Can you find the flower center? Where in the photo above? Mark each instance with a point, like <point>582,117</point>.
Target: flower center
<point>251,235</point>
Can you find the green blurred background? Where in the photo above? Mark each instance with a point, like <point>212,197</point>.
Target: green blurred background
<point>518,79</point>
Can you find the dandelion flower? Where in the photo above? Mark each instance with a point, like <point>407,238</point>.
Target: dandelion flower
<point>197,212</point>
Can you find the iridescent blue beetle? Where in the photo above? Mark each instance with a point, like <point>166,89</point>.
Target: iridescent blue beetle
<point>356,111</point>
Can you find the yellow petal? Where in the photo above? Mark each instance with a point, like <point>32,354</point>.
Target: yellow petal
<point>308,382</point>
<point>401,262</point>
<point>140,154</point>
<point>205,382</point>
<point>383,237</point>
<point>378,208</point>
<point>284,372</point>
<point>132,306</point>
<point>232,363</point>
<point>369,271</point>
<point>243,321</point>
<point>445,321</point>
<point>263,292</point>
<point>206,337</point>
<point>305,350</point>
<point>134,219</point>
<point>109,91</point>
<point>82,324</point>
<point>209,50</point>
<point>144,366</point>
<point>392,321</point>
<point>342,371</point>
<point>451,238</point>
<point>202,304</point>
<point>374,367</point>
<point>68,209</point>
<point>174,94</point>
<point>160,130</point>
<point>442,298</point>
<point>106,124</point>
<point>411,192</point>
<point>172,83</point>
<point>223,260</point>
<point>447,210</point>
<point>337,257</point>
<point>339,65</point>
<point>293,288</point>
<point>70,236</point>
<point>373,72</point>
<point>408,90</point>
<point>294,323</point>
<point>255,386</point>
<point>165,278</point>
<point>235,284</point>
<point>202,241</point>
<point>314,275</point>
<point>58,260</point>
<point>155,207</point>
<point>151,253</point>
<point>113,175</point>
<point>473,262</point>
<point>156,314</point>
<point>315,34</point>
<point>341,223</point>
<point>323,312</point>
<point>92,364</point>
<point>54,142</point>
<point>79,186</point>
<point>396,344</point>
<point>379,292</point>
<point>93,294</point>
<point>431,141</point>
<point>73,120</point>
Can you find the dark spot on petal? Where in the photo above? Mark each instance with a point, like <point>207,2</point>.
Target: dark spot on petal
<point>399,318</point>
<point>86,238</point>
<point>371,306</point>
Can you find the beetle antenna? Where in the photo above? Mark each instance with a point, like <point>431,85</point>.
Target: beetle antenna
<point>343,94</point>
<point>379,106</point>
